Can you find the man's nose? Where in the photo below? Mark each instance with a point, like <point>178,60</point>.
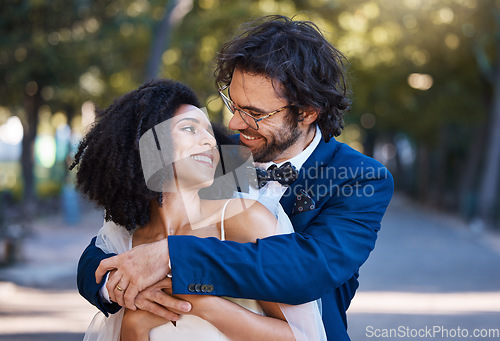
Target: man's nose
<point>237,123</point>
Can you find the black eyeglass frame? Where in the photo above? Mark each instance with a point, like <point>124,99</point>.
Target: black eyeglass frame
<point>228,102</point>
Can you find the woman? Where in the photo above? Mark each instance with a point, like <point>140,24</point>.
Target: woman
<point>169,202</point>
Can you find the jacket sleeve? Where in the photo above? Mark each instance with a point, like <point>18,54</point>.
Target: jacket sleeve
<point>332,243</point>
<point>87,286</point>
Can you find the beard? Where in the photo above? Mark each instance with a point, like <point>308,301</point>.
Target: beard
<point>277,143</point>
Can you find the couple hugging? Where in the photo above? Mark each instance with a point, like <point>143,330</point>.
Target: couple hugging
<point>195,248</point>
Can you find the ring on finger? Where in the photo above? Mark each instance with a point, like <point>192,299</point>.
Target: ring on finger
<point>119,289</point>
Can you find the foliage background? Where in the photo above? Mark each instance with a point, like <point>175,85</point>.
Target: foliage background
<point>424,75</point>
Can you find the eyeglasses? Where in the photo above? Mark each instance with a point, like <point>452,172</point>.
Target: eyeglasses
<point>249,119</point>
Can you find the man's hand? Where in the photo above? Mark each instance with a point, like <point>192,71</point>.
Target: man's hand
<point>136,269</point>
<point>157,299</point>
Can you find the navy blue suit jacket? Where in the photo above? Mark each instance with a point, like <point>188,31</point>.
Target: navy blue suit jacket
<point>320,260</point>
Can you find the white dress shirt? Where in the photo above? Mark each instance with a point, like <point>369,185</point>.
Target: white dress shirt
<point>274,188</point>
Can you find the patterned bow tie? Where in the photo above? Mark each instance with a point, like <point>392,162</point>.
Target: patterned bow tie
<point>303,203</point>
<point>286,174</point>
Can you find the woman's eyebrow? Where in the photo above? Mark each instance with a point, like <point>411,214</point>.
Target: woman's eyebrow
<point>195,120</point>
<point>192,119</point>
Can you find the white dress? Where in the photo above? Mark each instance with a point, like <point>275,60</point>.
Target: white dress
<point>305,319</point>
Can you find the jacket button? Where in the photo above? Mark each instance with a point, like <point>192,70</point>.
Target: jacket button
<point>210,288</point>
<point>204,288</point>
<point>197,287</point>
<point>191,287</point>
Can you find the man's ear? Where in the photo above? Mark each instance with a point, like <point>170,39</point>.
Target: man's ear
<point>309,116</point>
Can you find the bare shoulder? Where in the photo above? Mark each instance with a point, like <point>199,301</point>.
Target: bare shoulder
<point>247,220</point>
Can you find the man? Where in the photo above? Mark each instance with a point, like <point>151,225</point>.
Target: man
<point>284,83</point>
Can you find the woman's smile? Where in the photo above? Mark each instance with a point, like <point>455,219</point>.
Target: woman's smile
<point>206,158</point>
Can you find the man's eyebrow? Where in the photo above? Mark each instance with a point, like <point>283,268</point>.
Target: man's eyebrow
<point>247,107</point>
<point>250,108</point>
<point>254,109</point>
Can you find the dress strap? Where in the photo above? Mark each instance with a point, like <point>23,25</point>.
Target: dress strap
<point>222,232</point>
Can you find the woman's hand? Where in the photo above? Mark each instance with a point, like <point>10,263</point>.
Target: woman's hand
<point>137,324</point>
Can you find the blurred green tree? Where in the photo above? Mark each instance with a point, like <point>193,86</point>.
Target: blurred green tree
<point>61,54</point>
<point>422,73</point>
<point>489,64</point>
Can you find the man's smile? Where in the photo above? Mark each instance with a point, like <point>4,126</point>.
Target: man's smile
<point>248,137</point>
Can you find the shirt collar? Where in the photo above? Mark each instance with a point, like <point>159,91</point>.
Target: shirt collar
<point>298,160</point>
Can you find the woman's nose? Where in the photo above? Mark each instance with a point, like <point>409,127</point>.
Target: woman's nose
<point>209,139</point>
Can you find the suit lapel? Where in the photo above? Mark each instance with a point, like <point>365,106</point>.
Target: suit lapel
<point>319,158</point>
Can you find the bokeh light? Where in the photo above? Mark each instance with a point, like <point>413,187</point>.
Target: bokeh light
<point>45,150</point>
<point>214,103</point>
<point>12,131</point>
<point>367,120</point>
<point>88,114</point>
<point>420,81</point>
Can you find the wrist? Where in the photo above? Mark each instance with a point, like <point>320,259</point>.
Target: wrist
<point>205,307</point>
<point>136,332</point>
<point>161,255</point>
<point>169,263</point>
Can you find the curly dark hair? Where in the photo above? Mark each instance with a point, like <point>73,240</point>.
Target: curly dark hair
<point>108,159</point>
<point>297,56</point>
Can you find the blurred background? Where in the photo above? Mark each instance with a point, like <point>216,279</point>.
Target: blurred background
<point>425,80</point>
